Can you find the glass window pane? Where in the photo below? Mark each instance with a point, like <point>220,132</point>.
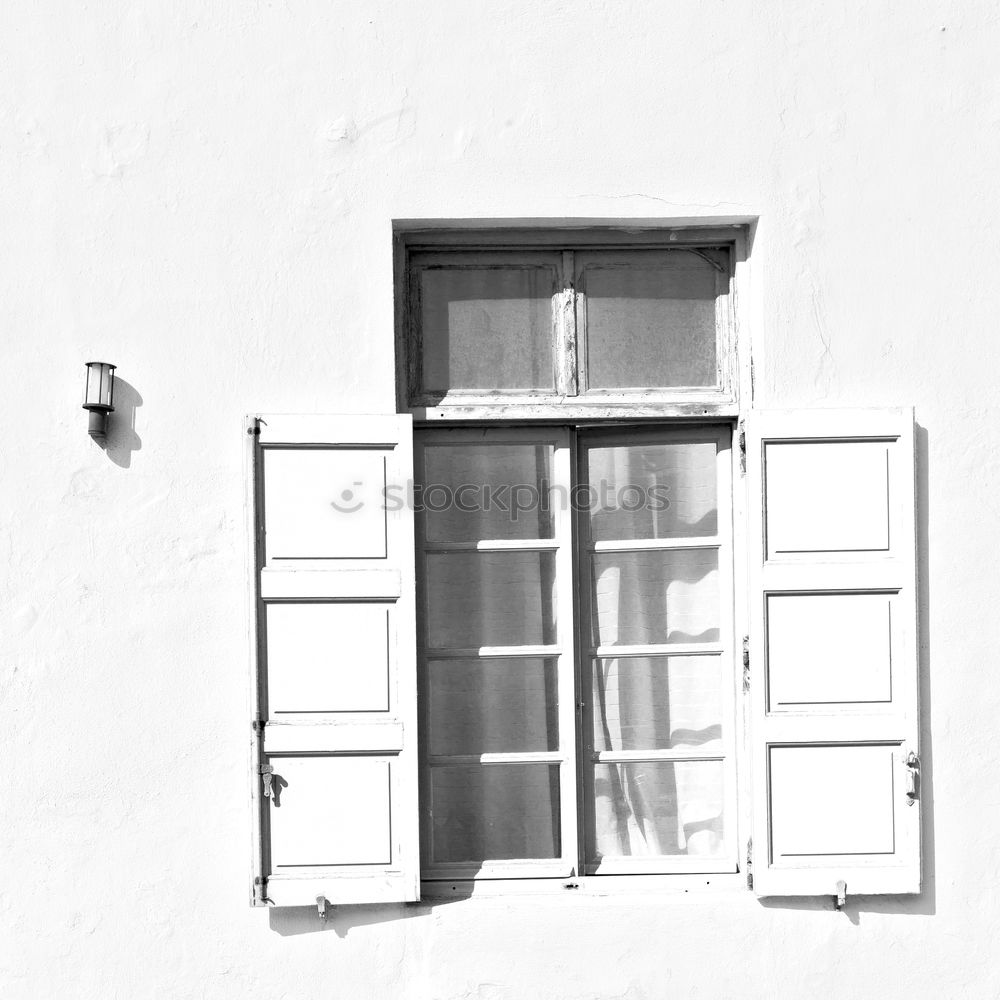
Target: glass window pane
<point>642,598</point>
<point>650,808</point>
<point>490,599</point>
<point>657,703</point>
<point>502,705</point>
<point>495,812</point>
<point>474,492</point>
<point>651,320</point>
<point>658,489</point>
<point>486,328</point>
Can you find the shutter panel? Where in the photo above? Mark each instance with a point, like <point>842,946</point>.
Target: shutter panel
<point>833,642</point>
<point>336,654</point>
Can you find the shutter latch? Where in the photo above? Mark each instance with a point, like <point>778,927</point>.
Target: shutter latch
<point>912,778</point>
<point>266,773</point>
<point>746,663</point>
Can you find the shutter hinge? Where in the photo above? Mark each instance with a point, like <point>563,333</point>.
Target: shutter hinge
<point>258,725</point>
<point>742,440</point>
<point>750,863</point>
<point>260,897</point>
<point>746,663</point>
<point>912,778</point>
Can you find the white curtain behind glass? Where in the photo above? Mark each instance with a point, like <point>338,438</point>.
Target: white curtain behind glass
<point>655,702</point>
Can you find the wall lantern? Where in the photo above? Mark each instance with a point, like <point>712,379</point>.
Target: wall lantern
<point>97,397</point>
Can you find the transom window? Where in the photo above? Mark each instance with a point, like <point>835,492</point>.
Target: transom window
<point>561,324</point>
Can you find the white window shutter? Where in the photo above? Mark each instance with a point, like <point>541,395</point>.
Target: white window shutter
<point>833,646</point>
<point>335,765</point>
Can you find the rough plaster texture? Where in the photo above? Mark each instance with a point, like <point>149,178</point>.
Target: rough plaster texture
<point>203,194</point>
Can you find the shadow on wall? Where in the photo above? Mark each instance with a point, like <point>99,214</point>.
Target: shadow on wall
<point>928,896</point>
<point>122,438</point>
<point>924,904</point>
<point>291,920</point>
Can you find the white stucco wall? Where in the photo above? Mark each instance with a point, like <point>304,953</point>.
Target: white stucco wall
<point>203,194</point>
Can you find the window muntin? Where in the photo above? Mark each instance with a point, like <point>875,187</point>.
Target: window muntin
<point>618,667</point>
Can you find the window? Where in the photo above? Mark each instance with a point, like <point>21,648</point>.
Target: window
<point>575,674</point>
<point>575,580</point>
<point>462,674</point>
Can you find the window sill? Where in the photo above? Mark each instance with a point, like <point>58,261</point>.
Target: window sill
<point>586,885</point>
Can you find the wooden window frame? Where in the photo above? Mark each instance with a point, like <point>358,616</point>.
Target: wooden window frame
<point>564,651</point>
<point>572,400</point>
<point>572,868</point>
<point>724,648</point>
<point>723,406</point>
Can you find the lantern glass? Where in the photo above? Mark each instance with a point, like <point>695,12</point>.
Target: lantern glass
<point>99,391</point>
